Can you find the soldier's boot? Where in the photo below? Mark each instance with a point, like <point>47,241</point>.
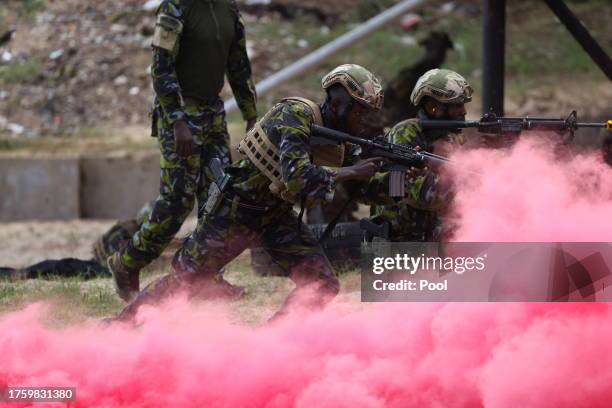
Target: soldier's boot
<point>126,281</point>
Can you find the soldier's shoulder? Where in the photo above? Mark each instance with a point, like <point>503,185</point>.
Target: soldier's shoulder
<point>299,108</point>
<point>412,123</point>
<point>174,8</point>
<point>408,128</point>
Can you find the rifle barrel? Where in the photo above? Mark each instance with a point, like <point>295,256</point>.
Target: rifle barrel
<point>591,125</point>
<point>448,124</point>
<point>340,136</point>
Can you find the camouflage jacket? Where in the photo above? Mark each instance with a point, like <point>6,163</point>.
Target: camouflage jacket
<point>200,55</point>
<point>288,125</point>
<point>415,218</point>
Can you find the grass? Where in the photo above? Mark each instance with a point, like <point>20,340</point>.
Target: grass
<point>23,71</point>
<point>74,300</point>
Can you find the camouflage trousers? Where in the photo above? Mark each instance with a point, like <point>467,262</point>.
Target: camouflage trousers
<point>183,181</point>
<point>222,236</point>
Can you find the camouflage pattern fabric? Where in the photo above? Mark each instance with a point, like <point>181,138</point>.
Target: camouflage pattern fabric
<point>271,222</point>
<point>416,217</point>
<point>183,180</point>
<point>360,83</point>
<point>225,54</point>
<point>288,127</point>
<point>443,85</point>
<point>191,47</point>
<point>112,240</point>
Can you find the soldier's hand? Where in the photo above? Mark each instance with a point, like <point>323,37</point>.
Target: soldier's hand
<point>362,170</point>
<point>414,172</point>
<point>250,123</point>
<point>183,139</point>
<point>458,139</point>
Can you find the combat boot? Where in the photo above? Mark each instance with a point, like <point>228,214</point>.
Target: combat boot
<point>126,281</point>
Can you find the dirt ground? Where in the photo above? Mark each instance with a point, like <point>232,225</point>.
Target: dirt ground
<point>25,243</point>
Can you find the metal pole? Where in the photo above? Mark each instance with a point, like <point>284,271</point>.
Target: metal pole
<point>582,35</point>
<point>494,41</point>
<point>314,58</point>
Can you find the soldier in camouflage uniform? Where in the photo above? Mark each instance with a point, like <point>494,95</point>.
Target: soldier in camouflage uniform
<point>439,94</point>
<point>257,207</point>
<point>195,44</point>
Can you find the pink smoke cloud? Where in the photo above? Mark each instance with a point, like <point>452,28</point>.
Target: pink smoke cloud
<point>391,355</point>
<point>376,355</point>
<point>527,194</point>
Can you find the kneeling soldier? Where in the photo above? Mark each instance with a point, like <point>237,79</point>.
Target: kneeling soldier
<point>252,205</point>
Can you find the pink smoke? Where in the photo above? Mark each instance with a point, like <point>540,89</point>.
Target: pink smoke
<point>382,355</point>
<point>527,194</point>
<point>391,355</point>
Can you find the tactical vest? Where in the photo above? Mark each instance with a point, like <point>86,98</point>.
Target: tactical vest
<point>264,154</point>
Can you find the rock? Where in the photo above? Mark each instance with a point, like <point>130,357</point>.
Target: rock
<point>121,80</point>
<point>7,56</point>
<point>53,55</point>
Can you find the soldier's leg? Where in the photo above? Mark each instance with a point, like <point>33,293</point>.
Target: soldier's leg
<point>216,241</point>
<point>300,255</point>
<point>178,187</point>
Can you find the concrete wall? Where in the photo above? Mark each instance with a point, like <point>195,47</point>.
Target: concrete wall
<point>44,189</point>
<point>109,186</point>
<point>117,186</point>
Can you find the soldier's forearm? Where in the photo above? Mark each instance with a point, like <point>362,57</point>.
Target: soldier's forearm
<point>239,75</point>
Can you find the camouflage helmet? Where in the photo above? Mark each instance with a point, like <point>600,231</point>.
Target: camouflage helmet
<point>360,83</point>
<point>443,85</point>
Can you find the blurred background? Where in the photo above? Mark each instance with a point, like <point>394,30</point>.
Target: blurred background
<point>75,89</point>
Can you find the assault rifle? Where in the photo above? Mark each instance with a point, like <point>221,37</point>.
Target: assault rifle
<point>491,124</point>
<point>401,157</point>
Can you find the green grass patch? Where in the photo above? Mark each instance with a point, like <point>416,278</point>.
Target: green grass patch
<point>75,300</point>
<point>22,71</point>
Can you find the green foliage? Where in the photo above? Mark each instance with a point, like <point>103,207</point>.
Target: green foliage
<point>31,7</point>
<point>22,71</point>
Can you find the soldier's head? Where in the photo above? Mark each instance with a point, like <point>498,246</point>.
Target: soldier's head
<point>442,94</point>
<point>354,95</point>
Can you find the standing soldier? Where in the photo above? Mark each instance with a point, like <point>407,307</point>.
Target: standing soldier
<point>281,169</point>
<point>195,44</point>
<point>439,94</point>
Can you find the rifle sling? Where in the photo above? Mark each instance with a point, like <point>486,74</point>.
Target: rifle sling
<point>330,227</point>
